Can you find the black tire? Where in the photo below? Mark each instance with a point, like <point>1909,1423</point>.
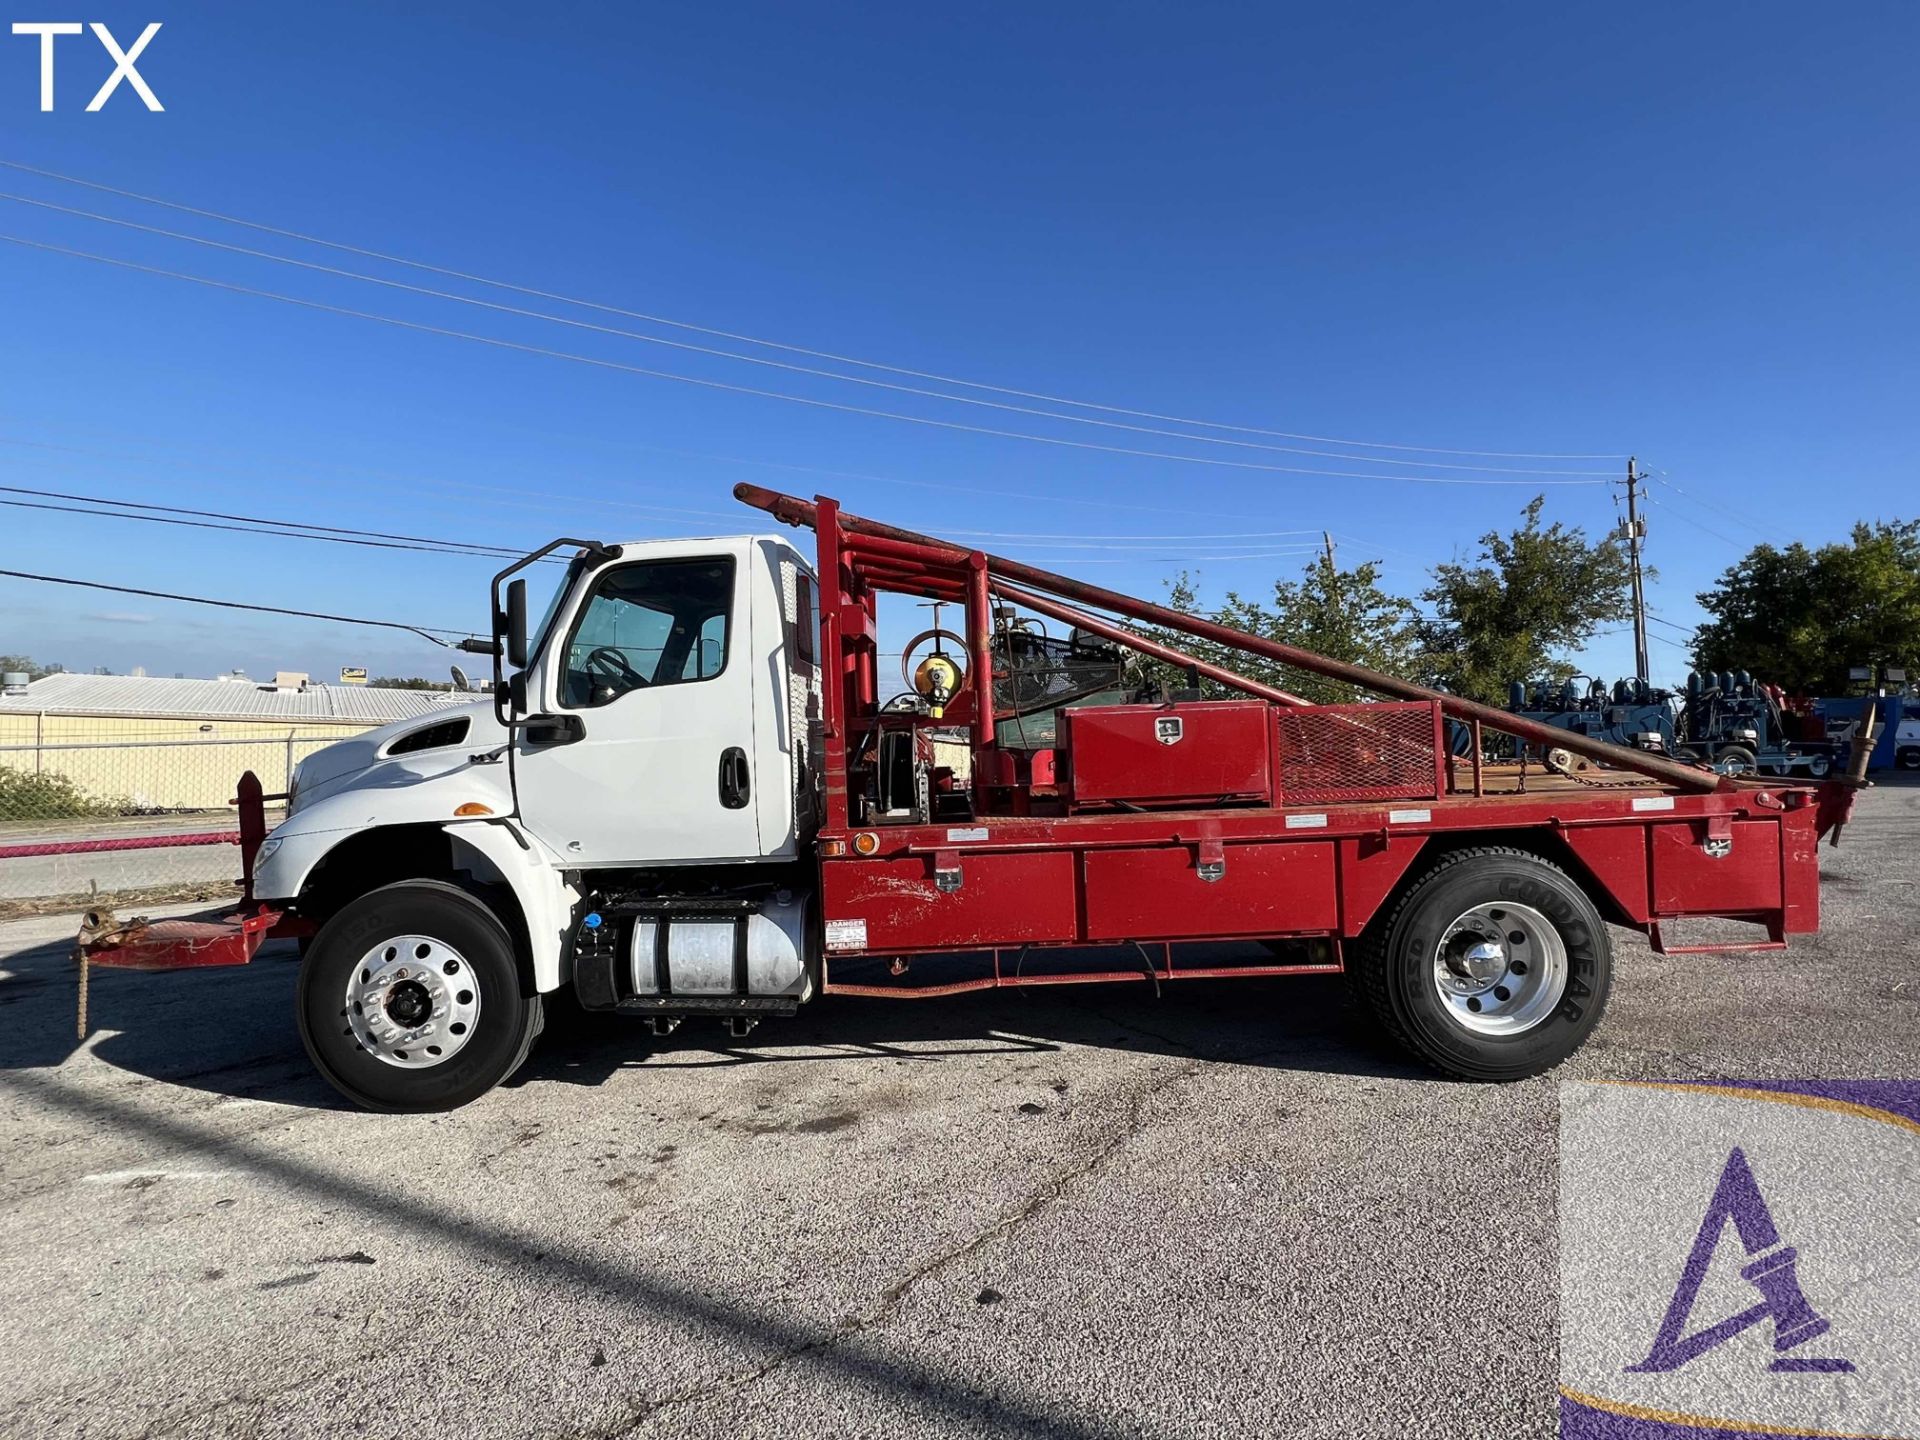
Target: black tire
<point>507,1020</point>
<point>1909,758</point>
<point>1393,970</point>
<point>1735,760</point>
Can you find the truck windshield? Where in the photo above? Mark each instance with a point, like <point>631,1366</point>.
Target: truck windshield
<point>657,622</point>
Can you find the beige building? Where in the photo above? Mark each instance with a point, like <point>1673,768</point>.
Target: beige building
<point>151,744</point>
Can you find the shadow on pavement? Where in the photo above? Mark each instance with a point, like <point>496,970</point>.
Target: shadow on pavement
<point>843,1348</point>
<point>231,1031</point>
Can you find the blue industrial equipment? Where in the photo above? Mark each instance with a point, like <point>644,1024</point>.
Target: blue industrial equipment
<point>1737,725</point>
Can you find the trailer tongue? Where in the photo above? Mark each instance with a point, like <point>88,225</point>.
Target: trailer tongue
<point>576,834</point>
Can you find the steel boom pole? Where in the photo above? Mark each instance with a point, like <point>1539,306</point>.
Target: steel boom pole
<point>795,511</point>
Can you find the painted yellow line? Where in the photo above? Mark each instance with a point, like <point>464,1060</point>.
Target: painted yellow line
<point>1708,1422</point>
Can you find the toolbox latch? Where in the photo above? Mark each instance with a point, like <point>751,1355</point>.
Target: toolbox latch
<point>1209,860</point>
<point>946,871</point>
<point>1719,839</point>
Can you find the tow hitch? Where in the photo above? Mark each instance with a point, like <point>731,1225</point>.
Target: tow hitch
<point>189,942</point>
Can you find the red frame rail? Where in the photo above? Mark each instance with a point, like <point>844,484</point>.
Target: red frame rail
<point>1008,879</point>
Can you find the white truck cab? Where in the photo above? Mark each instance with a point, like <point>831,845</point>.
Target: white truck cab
<point>653,747</point>
<point>672,732</point>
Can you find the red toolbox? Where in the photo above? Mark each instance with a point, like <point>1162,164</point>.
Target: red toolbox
<point>1198,753</point>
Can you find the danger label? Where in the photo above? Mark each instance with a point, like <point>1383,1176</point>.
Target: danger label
<point>846,934</point>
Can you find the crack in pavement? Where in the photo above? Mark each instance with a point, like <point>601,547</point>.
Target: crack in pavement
<point>894,1294</point>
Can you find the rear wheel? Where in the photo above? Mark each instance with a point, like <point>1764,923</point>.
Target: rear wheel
<point>1735,760</point>
<point>410,999</point>
<point>1493,965</point>
<point>1909,758</point>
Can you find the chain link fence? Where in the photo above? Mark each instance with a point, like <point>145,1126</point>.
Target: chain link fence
<point>132,810</point>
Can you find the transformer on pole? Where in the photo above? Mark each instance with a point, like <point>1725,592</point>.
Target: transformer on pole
<point>1636,534</point>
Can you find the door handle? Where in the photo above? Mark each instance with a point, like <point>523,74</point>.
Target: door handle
<point>554,729</point>
<point>735,788</point>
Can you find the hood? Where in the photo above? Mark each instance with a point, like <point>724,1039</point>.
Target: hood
<point>437,747</point>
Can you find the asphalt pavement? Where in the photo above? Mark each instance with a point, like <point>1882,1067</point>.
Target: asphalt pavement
<point>1228,1211</point>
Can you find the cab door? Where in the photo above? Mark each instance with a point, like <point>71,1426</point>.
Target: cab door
<point>648,758</point>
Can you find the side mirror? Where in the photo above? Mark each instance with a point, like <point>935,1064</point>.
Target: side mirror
<point>517,624</point>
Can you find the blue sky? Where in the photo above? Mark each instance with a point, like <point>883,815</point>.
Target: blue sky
<point>1685,232</point>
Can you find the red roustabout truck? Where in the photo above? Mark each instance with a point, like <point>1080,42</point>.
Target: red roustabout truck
<point>697,793</point>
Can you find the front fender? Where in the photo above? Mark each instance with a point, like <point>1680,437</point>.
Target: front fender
<point>303,839</point>
<point>502,851</point>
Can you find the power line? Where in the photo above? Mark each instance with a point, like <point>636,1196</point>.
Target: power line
<point>603,502</point>
<point>500,552</point>
<point>767,344</point>
<point>429,632</point>
<point>1241,536</point>
<point>723,385</point>
<point>373,476</point>
<point>235,529</point>
<point>1687,519</point>
<point>1725,510</point>
<point>337,535</point>
<point>708,350</point>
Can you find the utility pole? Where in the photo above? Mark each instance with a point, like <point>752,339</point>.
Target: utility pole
<point>1636,533</point>
<point>1333,573</point>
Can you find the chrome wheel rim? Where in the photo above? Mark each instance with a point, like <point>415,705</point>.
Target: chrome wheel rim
<point>412,1001</point>
<point>1500,969</point>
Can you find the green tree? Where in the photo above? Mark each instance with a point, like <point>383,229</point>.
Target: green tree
<point>27,665</point>
<point>1801,618</point>
<point>1530,596</point>
<point>406,682</point>
<point>1342,614</point>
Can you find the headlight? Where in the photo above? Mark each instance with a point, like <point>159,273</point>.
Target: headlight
<point>267,847</point>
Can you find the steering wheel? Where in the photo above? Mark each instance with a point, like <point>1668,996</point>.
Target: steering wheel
<point>610,668</point>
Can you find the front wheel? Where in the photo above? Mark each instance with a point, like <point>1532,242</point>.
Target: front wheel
<point>410,999</point>
<point>1493,965</point>
<point>1909,758</point>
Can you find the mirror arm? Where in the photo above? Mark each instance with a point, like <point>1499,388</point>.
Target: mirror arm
<point>589,549</point>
